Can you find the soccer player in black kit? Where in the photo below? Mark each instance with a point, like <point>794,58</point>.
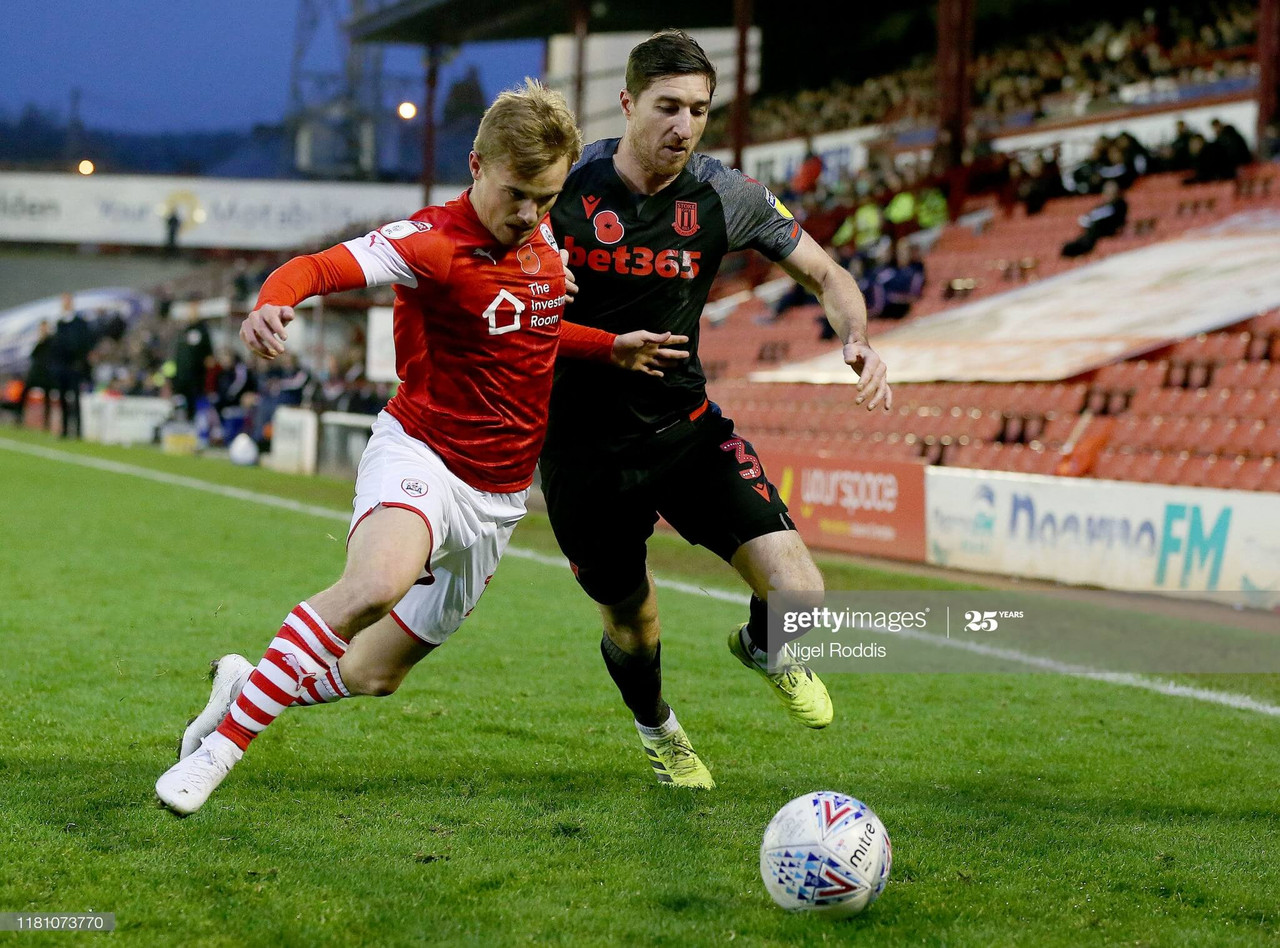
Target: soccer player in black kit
<point>646,222</point>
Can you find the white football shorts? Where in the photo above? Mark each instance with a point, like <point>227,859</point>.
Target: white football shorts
<point>469,528</point>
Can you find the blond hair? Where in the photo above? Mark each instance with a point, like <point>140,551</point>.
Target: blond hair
<point>529,129</point>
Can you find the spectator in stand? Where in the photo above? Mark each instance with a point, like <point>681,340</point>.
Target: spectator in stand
<point>172,227</point>
<point>1136,155</point>
<point>1087,177</point>
<point>234,380</point>
<point>1228,140</point>
<point>192,356</point>
<point>900,212</point>
<point>1177,154</point>
<point>901,282</point>
<point>1117,167</point>
<point>806,177</point>
<point>862,229</point>
<point>287,380</point>
<point>1208,162</point>
<point>72,342</point>
<point>931,208</point>
<point>40,372</point>
<point>1058,75</point>
<point>362,397</point>
<point>242,288</point>
<point>1105,220</point>
<point>1042,183</point>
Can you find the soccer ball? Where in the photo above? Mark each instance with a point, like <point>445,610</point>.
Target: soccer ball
<point>243,450</point>
<point>826,853</point>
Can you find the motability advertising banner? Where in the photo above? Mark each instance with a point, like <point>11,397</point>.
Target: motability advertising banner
<point>1146,537</point>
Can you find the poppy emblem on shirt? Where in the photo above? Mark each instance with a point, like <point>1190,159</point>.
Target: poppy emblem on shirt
<point>413,487</point>
<point>608,228</point>
<point>686,223</point>
<point>528,258</point>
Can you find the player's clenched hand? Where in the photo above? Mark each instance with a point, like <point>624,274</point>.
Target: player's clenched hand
<point>263,330</point>
<point>570,285</point>
<point>873,376</point>
<point>645,351</point>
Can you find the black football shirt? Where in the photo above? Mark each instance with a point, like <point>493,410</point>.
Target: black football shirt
<point>647,262</point>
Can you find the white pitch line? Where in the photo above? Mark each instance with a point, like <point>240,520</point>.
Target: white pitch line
<point>1157,685</point>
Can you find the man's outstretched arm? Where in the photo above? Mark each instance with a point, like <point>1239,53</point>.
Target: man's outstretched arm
<point>846,310</point>
<point>330,271</point>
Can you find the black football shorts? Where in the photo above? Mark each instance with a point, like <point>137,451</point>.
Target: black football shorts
<point>702,478</point>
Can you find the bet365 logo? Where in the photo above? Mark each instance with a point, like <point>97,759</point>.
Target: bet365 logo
<point>987,621</point>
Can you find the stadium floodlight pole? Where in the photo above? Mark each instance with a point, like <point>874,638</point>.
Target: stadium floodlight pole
<point>955,52</point>
<point>1269,67</point>
<point>581,21</point>
<point>429,123</point>
<point>742,12</point>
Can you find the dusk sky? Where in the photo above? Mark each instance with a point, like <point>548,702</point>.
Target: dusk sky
<point>148,66</point>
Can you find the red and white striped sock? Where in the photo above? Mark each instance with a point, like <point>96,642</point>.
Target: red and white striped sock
<point>301,666</point>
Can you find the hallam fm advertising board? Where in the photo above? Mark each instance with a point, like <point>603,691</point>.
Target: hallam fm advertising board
<point>874,508</point>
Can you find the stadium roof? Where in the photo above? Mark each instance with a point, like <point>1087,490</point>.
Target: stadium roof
<point>452,22</point>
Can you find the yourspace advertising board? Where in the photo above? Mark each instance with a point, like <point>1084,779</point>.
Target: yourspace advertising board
<point>1147,537</point>
<point>852,505</point>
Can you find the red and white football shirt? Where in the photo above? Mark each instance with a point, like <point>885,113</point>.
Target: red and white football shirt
<point>477,326</point>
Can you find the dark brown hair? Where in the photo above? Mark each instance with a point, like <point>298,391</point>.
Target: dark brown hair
<point>667,53</point>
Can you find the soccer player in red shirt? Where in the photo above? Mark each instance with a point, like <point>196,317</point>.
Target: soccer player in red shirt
<point>480,293</point>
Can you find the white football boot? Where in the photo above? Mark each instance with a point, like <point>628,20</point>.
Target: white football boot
<point>185,786</point>
<point>228,674</point>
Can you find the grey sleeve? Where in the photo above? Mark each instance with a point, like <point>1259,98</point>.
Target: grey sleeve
<point>603,148</point>
<point>753,216</point>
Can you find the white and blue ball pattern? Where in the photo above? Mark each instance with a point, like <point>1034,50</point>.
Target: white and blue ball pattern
<point>825,852</point>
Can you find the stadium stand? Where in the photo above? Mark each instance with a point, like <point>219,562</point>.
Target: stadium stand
<point>1199,412</point>
<point>1190,48</point>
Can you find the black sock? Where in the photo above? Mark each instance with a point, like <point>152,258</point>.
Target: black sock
<point>758,625</point>
<point>639,678</point>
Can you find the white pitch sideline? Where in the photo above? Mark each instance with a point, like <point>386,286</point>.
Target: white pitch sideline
<point>1160,686</point>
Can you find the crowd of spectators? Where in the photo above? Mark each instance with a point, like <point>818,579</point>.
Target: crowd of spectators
<point>866,220</point>
<point>1070,72</point>
<point>213,387</point>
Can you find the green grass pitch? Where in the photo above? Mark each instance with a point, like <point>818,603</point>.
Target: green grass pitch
<point>501,797</point>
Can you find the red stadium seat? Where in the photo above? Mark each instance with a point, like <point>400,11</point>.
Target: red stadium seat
<point>1155,401</point>
<point>1265,324</point>
<point>1167,469</point>
<point>1066,398</point>
<point>1058,431</point>
<point>1214,434</point>
<point>1197,471</point>
<point>1115,465</point>
<point>1268,443</point>
<point>1225,473</point>
<point>1255,473</point>
<point>1244,375</point>
<point>1145,465</point>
